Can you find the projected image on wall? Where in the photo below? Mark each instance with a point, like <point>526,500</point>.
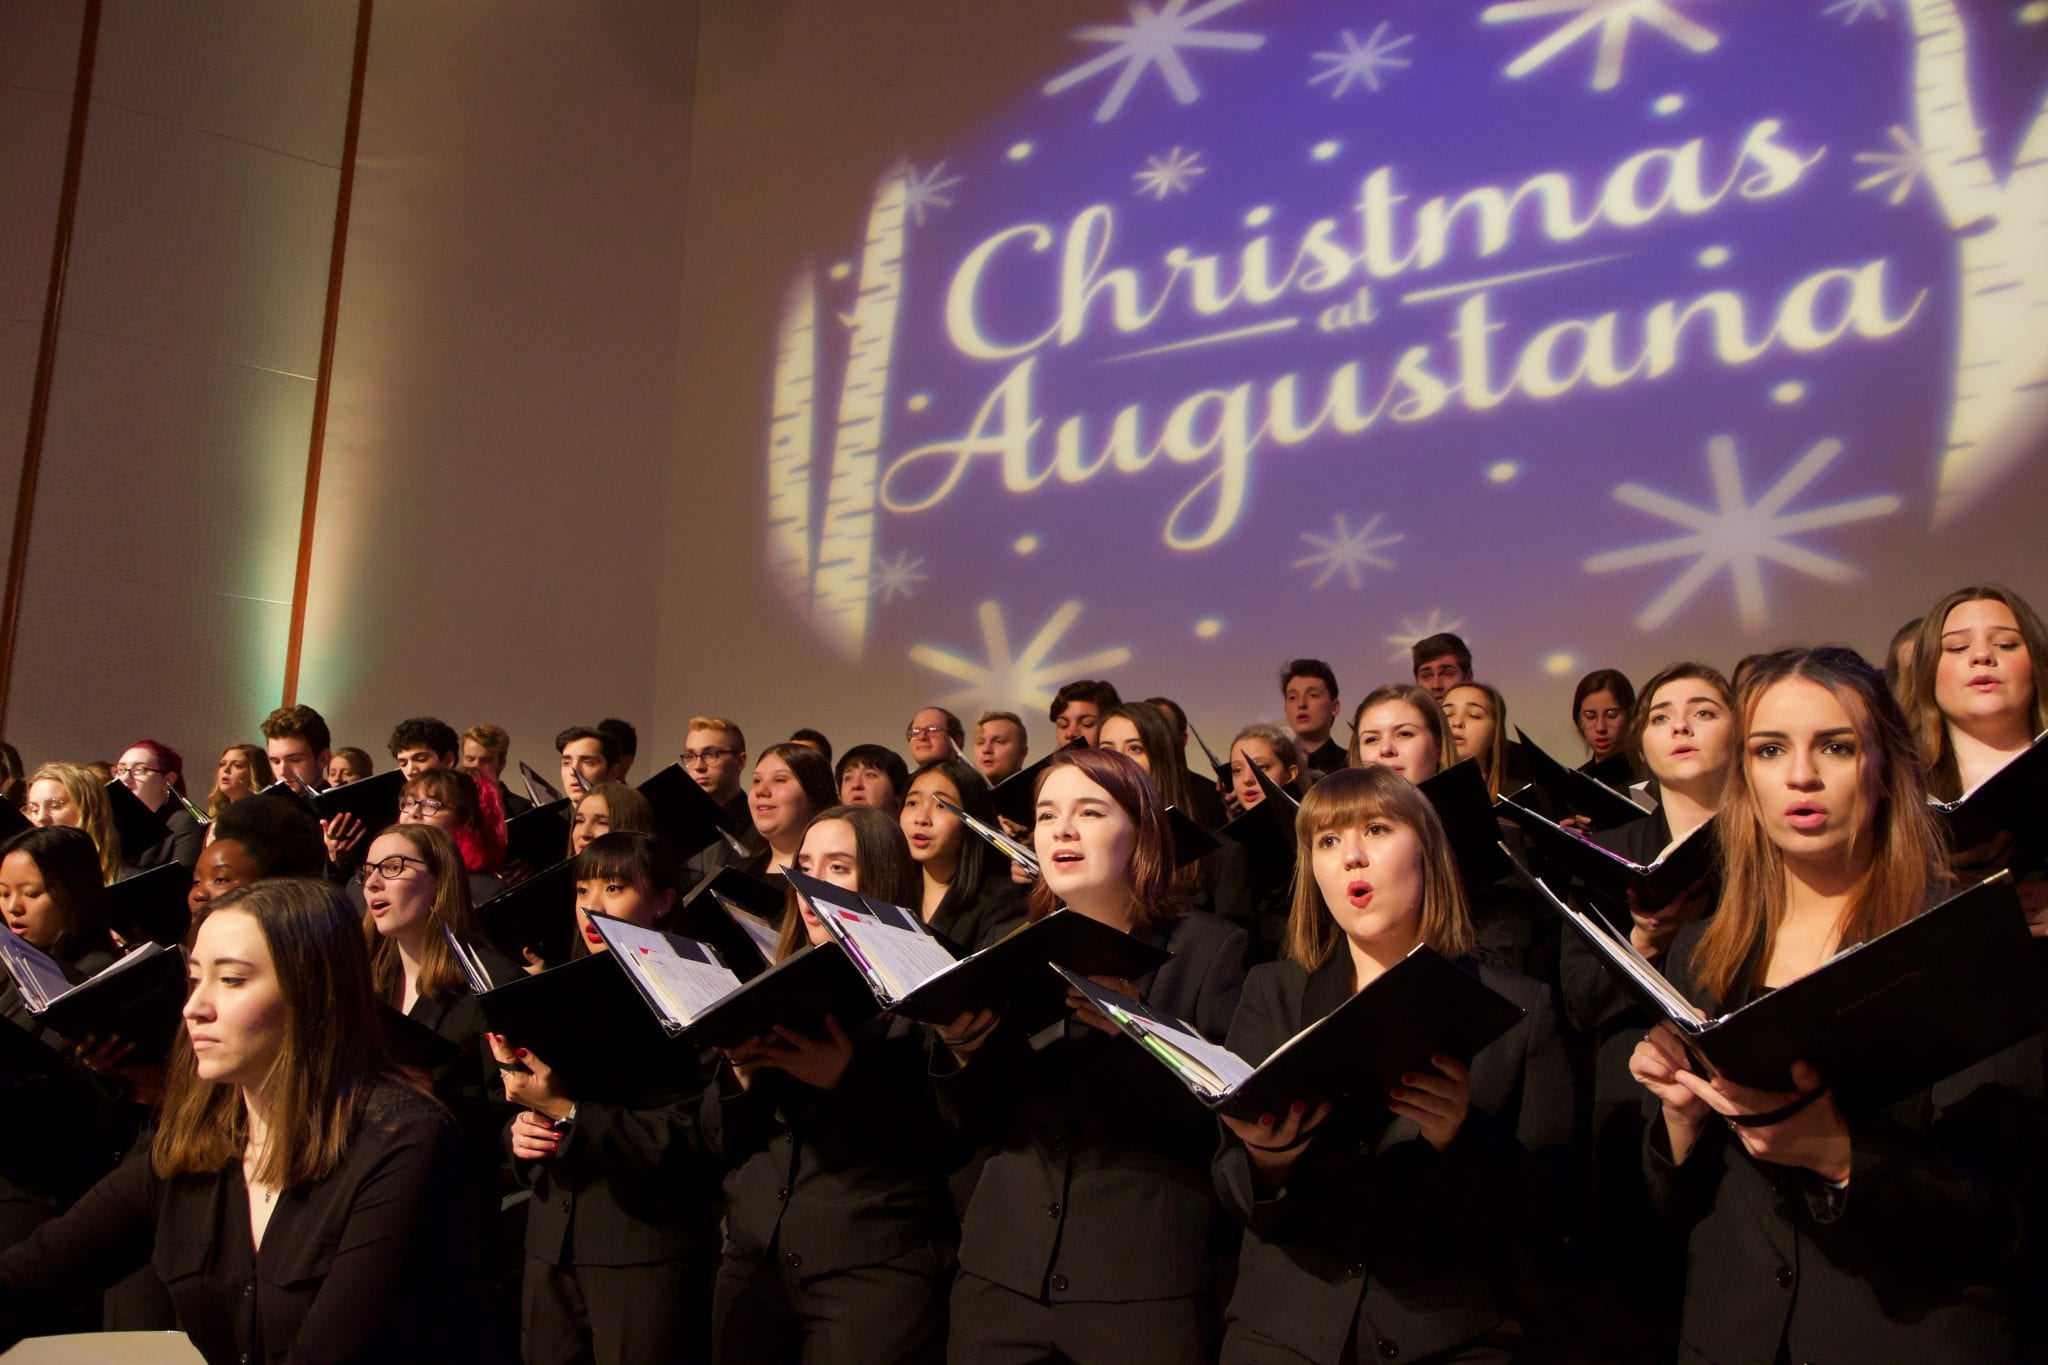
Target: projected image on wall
<point>1579,327</point>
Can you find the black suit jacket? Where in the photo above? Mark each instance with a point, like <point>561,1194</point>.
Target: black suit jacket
<point>366,1264</point>
<point>1904,1264</point>
<point>995,910</point>
<point>1373,1222</point>
<point>842,1178</point>
<point>1098,1189</point>
<point>181,845</point>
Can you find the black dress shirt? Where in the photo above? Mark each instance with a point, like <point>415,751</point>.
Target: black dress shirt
<point>365,1264</point>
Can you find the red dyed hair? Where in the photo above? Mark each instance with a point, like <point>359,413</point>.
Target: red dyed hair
<point>165,757</point>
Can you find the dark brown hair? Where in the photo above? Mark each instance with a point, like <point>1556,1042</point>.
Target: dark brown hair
<point>1154,897</point>
<point>440,974</point>
<point>881,861</point>
<point>1930,727</point>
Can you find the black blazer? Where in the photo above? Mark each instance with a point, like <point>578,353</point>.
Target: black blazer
<point>995,910</point>
<point>1375,1231</point>
<point>627,1186</point>
<point>1904,1264</point>
<point>181,845</point>
<point>842,1178</point>
<point>366,1264</point>
<point>1098,1190</point>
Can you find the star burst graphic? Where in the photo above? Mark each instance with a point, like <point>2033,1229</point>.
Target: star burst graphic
<point>1611,19</point>
<point>898,577</point>
<point>1152,38</point>
<point>1852,10</point>
<point>1362,62</point>
<point>1403,640</point>
<point>1905,164</point>
<point>1169,174</point>
<point>923,190</point>
<point>1739,535</point>
<point>1021,680</point>
<point>1348,552</point>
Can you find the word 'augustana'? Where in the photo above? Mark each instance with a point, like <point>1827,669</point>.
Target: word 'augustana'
<point>1470,367</point>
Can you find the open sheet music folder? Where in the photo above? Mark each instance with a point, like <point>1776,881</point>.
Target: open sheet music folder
<point>1658,882</point>
<point>1579,793</point>
<point>1877,1021</point>
<point>1423,1005</point>
<point>2014,801</point>
<point>139,998</point>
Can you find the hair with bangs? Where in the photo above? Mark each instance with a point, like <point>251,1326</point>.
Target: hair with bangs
<point>881,862</point>
<point>479,831</point>
<point>1425,706</point>
<point>1930,727</point>
<point>1154,897</point>
<point>1352,796</point>
<point>440,974</point>
<point>1907,852</point>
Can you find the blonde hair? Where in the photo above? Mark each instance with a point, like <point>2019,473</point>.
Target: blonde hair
<point>1905,844</point>
<point>95,811</point>
<point>1352,796</point>
<point>720,724</point>
<point>1494,766</point>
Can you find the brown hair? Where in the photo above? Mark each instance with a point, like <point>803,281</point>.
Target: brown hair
<point>1930,727</point>
<point>1905,844</point>
<point>625,806</point>
<point>1280,740</point>
<point>330,1057</point>
<point>1639,713</point>
<point>1494,765</point>
<point>492,739</point>
<point>1154,897</point>
<point>440,974</point>
<point>259,775</point>
<point>1157,734</point>
<point>881,860</point>
<point>1425,706</point>
<point>298,722</point>
<point>95,811</point>
<point>1352,796</point>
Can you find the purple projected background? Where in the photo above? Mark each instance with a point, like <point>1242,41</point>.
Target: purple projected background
<point>1595,330</point>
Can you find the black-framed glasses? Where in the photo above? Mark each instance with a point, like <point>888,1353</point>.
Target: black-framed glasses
<point>135,770</point>
<point>692,757</point>
<point>390,869</point>
<point>421,805</point>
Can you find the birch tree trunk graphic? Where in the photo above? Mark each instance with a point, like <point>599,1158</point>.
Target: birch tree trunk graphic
<point>827,578</point>
<point>2001,363</point>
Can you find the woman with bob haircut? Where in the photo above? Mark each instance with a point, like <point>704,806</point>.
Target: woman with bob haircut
<point>1092,1233</point>
<point>301,1197</point>
<point>839,1223</point>
<point>1365,1235</point>
<point>607,808</point>
<point>965,892</point>
<point>71,794</point>
<point>1857,1233</point>
<point>621,1240</point>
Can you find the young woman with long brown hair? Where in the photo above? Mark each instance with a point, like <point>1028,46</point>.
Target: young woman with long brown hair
<point>1823,1231</point>
<point>301,1197</point>
<point>1366,1235</point>
<point>1091,1233</point>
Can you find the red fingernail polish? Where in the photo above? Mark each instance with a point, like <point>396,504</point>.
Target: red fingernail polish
<point>1298,1108</point>
<point>1265,1120</point>
<point>520,1053</point>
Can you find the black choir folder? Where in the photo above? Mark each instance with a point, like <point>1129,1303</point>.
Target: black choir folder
<point>1422,1005</point>
<point>2013,800</point>
<point>738,914</point>
<point>540,836</point>
<point>1658,882</point>
<point>913,974</point>
<point>538,913</point>
<point>1579,793</point>
<point>140,998</point>
<point>152,905</point>
<point>1879,1020</point>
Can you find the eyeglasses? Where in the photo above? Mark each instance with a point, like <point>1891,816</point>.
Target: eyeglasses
<point>924,731</point>
<point>135,770</point>
<point>421,805</point>
<point>390,869</point>
<point>692,757</point>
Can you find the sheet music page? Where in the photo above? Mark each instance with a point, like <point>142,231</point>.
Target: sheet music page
<point>765,935</point>
<point>686,986</point>
<point>1215,1068</point>
<point>37,974</point>
<point>896,961</point>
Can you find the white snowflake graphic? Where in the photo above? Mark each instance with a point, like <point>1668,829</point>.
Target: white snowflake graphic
<point>1362,62</point>
<point>924,190</point>
<point>898,577</point>
<point>1739,535</point>
<point>1152,38</point>
<point>1404,639</point>
<point>1348,552</point>
<point>1164,175</point>
<point>1022,680</point>
<point>1611,18</point>
<point>1906,164</point>
<point>1852,10</point>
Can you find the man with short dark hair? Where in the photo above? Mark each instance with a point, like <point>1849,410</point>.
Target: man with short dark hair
<point>1076,710</point>
<point>297,741</point>
<point>814,739</point>
<point>934,732</point>
<point>1441,663</point>
<point>1308,690</point>
<point>589,756</point>
<point>424,742</point>
<point>628,740</point>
